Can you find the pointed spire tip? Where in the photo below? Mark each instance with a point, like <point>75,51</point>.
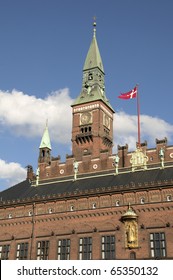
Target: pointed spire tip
<point>46,123</point>
<point>94,25</point>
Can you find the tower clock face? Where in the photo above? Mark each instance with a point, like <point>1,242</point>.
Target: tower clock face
<point>85,118</point>
<point>106,121</point>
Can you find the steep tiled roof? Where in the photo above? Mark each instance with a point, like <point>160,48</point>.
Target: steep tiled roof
<point>90,184</point>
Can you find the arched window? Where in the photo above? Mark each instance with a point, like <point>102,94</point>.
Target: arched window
<point>43,153</point>
<point>90,76</point>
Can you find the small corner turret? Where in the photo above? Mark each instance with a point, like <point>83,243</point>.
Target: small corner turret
<point>45,147</point>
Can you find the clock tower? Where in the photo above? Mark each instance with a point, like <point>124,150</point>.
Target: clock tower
<point>92,128</point>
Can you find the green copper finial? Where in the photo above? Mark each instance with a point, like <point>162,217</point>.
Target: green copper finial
<point>47,123</point>
<point>94,25</point>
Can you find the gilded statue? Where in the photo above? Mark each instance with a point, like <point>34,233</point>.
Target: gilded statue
<point>131,234</point>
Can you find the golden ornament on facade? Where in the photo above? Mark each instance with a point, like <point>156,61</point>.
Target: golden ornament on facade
<point>139,159</point>
<point>130,228</point>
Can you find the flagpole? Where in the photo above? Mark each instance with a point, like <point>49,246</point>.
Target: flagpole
<point>133,94</point>
<point>138,112</point>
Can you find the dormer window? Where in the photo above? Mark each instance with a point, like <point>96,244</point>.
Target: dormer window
<point>168,198</point>
<point>94,206</point>
<point>117,203</point>
<point>50,210</point>
<point>30,213</point>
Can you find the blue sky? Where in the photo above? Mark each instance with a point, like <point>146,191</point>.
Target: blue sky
<point>43,45</point>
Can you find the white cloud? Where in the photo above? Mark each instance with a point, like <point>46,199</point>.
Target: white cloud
<point>125,129</point>
<point>154,127</point>
<point>26,115</point>
<point>12,172</point>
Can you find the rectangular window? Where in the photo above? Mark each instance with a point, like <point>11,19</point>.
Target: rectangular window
<point>22,251</point>
<point>64,249</point>
<point>108,247</point>
<point>158,245</point>
<point>85,248</point>
<point>42,250</point>
<point>4,252</point>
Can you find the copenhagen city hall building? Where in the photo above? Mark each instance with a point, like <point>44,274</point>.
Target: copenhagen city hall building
<point>96,205</point>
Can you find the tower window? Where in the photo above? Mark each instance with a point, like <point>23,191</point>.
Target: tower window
<point>90,76</point>
<point>85,129</point>
<point>43,153</point>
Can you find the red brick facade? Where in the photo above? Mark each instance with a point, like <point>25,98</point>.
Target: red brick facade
<point>156,215</point>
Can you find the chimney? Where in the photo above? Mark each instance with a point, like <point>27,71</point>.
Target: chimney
<point>30,173</point>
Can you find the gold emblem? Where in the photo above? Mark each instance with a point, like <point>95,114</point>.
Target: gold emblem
<point>139,159</point>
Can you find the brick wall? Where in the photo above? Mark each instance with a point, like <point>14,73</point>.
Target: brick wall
<point>53,221</point>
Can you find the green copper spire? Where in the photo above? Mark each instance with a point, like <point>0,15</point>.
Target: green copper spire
<point>93,58</point>
<point>93,84</point>
<point>45,141</point>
